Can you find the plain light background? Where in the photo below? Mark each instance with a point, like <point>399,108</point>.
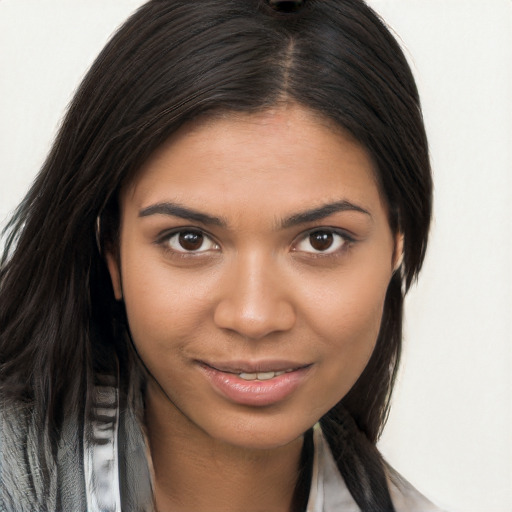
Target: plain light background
<point>450,428</point>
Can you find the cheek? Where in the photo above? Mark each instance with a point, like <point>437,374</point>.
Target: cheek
<point>351,340</point>
<point>348,305</point>
<point>163,307</point>
<point>346,319</point>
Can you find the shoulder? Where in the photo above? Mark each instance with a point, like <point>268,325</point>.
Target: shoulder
<point>329,492</point>
<point>405,497</point>
<point>38,472</point>
<point>18,466</point>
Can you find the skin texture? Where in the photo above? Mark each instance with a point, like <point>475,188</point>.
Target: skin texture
<point>257,291</point>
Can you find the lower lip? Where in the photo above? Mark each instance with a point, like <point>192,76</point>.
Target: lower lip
<point>255,392</point>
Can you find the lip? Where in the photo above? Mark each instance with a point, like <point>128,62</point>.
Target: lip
<point>225,380</point>
<point>239,366</point>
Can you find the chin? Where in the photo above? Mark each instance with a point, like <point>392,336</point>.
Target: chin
<point>269,434</point>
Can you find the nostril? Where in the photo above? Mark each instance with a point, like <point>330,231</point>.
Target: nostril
<point>286,5</point>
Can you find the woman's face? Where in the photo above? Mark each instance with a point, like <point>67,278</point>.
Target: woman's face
<point>254,258</point>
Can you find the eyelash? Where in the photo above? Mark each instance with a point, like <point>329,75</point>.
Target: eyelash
<point>166,239</point>
<point>343,243</point>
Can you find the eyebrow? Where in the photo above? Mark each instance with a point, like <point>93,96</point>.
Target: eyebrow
<point>183,212</point>
<point>323,211</point>
<point>177,210</point>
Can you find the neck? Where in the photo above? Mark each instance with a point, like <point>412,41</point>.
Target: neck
<point>193,471</point>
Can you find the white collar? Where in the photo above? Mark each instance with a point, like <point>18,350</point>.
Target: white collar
<point>329,493</point>
<point>328,490</point>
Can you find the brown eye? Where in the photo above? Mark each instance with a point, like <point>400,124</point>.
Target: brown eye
<point>321,240</point>
<point>191,240</point>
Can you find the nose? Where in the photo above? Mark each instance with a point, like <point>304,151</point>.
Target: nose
<point>253,300</point>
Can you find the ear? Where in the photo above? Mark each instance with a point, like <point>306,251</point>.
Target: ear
<point>398,253</point>
<point>114,269</point>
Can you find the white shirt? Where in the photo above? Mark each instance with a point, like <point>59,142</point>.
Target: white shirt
<point>329,492</point>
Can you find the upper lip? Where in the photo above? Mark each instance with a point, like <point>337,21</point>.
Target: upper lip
<point>276,365</point>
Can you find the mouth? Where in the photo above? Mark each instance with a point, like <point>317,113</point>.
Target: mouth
<point>256,371</point>
<point>255,384</point>
<point>263,375</point>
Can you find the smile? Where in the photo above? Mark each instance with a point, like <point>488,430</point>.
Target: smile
<point>255,384</point>
<point>262,375</point>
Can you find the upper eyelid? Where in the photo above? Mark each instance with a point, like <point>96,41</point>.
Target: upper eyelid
<point>165,235</point>
<point>348,242</point>
<point>338,231</point>
<point>168,233</point>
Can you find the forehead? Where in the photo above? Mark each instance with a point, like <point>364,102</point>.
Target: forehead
<point>279,158</point>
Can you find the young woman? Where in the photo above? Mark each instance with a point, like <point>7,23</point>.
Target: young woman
<point>201,295</point>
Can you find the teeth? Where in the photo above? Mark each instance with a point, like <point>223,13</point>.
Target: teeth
<point>266,375</point>
<point>248,376</point>
<point>262,375</point>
